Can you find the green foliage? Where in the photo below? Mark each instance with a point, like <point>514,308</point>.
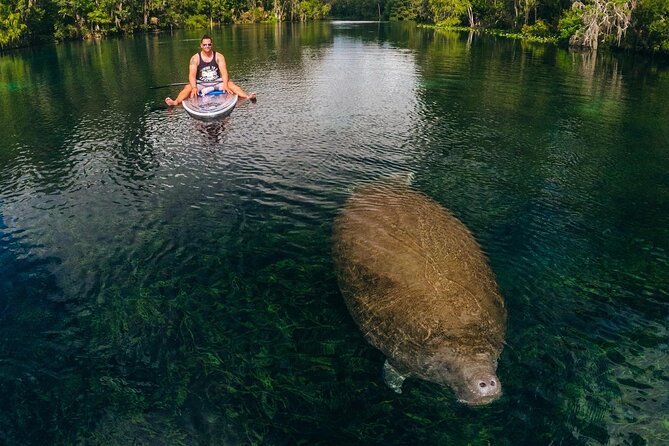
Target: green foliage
<point>570,23</point>
<point>587,23</point>
<point>449,22</point>
<point>197,21</point>
<point>99,19</point>
<point>64,31</point>
<point>491,13</point>
<point>362,9</point>
<point>11,26</point>
<point>521,36</point>
<point>255,15</point>
<point>448,12</point>
<point>497,32</point>
<point>651,25</point>
<point>538,29</point>
<point>402,10</point>
<point>659,35</point>
<point>313,10</point>
<point>69,19</point>
<point>26,21</point>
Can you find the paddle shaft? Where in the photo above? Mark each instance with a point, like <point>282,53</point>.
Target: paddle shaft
<point>169,85</point>
<point>174,84</point>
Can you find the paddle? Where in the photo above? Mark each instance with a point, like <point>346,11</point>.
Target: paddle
<point>169,85</point>
<point>174,84</point>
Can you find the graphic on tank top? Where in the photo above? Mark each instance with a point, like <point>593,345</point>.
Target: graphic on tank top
<point>208,71</point>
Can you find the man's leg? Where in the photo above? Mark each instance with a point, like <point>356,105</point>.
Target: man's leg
<point>183,94</point>
<point>236,89</point>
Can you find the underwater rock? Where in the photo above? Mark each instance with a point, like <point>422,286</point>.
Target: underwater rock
<point>419,287</point>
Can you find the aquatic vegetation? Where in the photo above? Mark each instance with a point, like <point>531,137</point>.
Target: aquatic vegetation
<point>171,282</point>
<point>525,36</point>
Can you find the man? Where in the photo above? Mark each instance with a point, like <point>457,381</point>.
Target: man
<point>207,72</point>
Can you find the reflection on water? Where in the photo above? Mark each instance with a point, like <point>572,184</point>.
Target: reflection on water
<point>165,279</point>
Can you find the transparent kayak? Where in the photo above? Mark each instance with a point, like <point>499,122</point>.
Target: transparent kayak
<point>212,105</point>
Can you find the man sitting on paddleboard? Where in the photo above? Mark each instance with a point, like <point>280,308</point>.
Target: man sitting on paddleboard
<point>207,72</point>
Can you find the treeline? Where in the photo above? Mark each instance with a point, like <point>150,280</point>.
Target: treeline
<point>627,24</point>
<point>639,25</point>
<point>28,21</point>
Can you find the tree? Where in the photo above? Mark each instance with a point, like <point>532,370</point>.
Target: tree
<point>312,10</point>
<point>602,20</point>
<point>361,9</point>
<point>641,24</point>
<point>449,12</point>
<point>651,25</point>
<point>11,26</point>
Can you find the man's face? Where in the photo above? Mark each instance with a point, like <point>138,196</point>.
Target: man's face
<point>206,45</point>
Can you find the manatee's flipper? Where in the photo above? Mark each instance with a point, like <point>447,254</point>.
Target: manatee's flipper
<point>392,377</point>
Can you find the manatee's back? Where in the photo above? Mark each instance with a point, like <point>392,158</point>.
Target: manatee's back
<point>413,276</point>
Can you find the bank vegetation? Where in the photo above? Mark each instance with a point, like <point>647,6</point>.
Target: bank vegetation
<point>638,25</point>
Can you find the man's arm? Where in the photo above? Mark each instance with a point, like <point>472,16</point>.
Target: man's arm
<point>192,73</point>
<point>220,60</point>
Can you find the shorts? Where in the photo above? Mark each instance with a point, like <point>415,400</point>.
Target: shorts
<point>204,84</point>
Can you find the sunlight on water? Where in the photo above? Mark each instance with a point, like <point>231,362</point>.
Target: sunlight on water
<point>169,280</point>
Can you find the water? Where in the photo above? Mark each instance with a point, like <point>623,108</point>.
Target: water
<point>167,281</point>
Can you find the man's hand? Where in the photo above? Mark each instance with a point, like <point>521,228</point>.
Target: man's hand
<point>193,92</point>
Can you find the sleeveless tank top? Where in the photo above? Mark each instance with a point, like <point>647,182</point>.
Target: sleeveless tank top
<point>207,71</point>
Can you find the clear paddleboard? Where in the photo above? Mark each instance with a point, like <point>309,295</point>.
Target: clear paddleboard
<point>210,106</point>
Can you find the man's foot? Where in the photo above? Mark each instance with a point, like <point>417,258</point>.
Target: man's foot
<point>251,97</point>
<point>171,102</point>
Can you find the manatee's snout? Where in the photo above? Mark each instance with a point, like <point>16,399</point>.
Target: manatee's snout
<point>481,387</point>
<point>487,386</point>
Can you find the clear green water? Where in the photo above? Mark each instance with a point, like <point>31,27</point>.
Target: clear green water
<point>165,281</point>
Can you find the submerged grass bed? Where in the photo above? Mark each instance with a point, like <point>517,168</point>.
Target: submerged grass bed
<point>249,342</point>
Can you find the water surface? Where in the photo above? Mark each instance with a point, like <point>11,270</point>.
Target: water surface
<point>168,281</point>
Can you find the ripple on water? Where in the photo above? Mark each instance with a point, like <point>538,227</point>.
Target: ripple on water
<point>229,222</point>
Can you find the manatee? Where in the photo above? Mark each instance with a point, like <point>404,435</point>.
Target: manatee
<point>419,287</point>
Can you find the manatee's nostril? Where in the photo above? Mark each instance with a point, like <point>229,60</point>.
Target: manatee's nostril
<point>492,383</point>
<point>482,384</point>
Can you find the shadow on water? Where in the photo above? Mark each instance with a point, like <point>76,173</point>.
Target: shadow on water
<point>213,131</point>
<point>168,281</point>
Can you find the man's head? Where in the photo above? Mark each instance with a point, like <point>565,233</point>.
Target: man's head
<point>206,43</point>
